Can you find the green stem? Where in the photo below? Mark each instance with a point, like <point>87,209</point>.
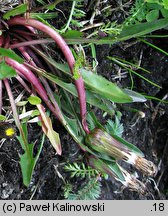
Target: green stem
<point>132,71</point>
<point>153,46</point>
<point>70,18</point>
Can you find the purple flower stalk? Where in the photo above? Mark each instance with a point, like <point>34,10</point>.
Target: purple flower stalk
<point>68,55</point>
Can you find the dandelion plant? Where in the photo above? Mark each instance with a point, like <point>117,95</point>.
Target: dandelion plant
<point>23,58</point>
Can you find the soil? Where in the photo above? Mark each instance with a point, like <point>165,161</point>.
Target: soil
<point>148,133</point>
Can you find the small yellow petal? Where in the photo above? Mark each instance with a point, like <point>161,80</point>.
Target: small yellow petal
<point>9,132</point>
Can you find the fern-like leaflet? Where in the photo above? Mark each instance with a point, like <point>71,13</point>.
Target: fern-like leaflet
<point>91,191</point>
<point>137,12</point>
<point>80,170</point>
<point>93,188</point>
<point>114,127</point>
<point>111,28</point>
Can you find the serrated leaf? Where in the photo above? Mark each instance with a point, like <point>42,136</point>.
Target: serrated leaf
<point>80,170</point>
<point>21,9</point>
<point>114,127</point>
<point>6,71</point>
<point>90,192</point>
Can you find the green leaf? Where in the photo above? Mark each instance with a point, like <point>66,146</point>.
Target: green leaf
<point>43,15</point>
<point>152,15</point>
<point>136,97</point>
<point>140,29</point>
<point>27,160</point>
<point>91,191</point>
<point>152,1</point>
<point>71,128</point>
<point>93,121</point>
<point>72,34</point>
<point>114,127</point>
<point>11,54</point>
<point>27,163</point>
<point>105,88</point>
<point>151,6</point>
<point>73,123</point>
<point>6,71</point>
<point>91,98</point>
<point>128,32</point>
<point>21,9</point>
<point>41,2</point>
<point>116,170</point>
<point>34,100</point>
<point>2,117</point>
<point>22,103</point>
<point>81,170</point>
<point>45,22</point>
<point>105,166</point>
<point>165,3</point>
<point>35,113</point>
<point>164,12</point>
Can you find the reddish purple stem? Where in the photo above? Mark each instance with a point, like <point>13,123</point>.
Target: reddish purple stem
<point>44,81</point>
<point>22,70</point>
<point>29,76</point>
<point>67,53</point>
<point>32,42</point>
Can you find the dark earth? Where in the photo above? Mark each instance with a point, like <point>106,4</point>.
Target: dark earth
<point>149,133</point>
